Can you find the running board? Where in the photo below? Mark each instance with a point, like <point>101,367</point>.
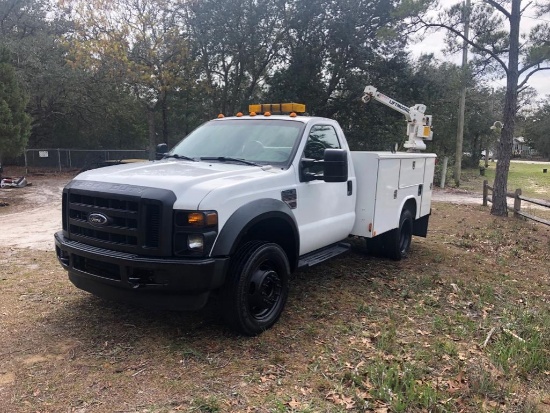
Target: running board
<point>323,254</point>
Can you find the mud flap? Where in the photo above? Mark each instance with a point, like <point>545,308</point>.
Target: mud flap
<point>420,226</point>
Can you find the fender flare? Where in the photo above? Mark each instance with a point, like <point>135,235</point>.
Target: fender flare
<point>248,215</point>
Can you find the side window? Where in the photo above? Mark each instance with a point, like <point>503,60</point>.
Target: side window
<point>320,137</point>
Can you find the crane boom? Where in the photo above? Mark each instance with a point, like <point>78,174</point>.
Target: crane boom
<point>419,125</point>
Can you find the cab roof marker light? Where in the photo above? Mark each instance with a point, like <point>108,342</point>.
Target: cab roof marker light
<point>255,108</point>
<point>293,107</point>
<point>221,116</point>
<point>239,115</point>
<point>278,108</point>
<point>252,113</point>
<point>267,114</point>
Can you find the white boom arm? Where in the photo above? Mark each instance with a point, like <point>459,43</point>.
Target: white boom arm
<point>419,126</point>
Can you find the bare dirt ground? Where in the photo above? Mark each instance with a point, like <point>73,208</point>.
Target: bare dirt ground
<point>33,213</point>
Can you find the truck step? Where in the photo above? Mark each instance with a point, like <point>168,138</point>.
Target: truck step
<point>323,254</point>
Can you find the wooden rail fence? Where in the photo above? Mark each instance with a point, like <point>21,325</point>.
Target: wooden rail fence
<point>517,197</point>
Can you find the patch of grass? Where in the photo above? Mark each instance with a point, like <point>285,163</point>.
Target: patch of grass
<point>440,323</point>
<point>529,177</point>
<point>185,351</point>
<point>208,404</point>
<point>446,348</point>
<point>386,341</point>
<point>401,387</point>
<point>523,345</point>
<point>486,385</point>
<point>464,326</point>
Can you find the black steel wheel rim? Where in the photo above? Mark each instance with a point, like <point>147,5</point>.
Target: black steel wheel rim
<point>264,292</point>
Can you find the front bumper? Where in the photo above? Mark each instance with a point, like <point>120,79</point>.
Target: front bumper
<point>168,283</point>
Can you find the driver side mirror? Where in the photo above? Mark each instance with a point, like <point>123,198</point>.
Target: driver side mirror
<point>334,167</point>
<point>335,164</point>
<point>162,149</point>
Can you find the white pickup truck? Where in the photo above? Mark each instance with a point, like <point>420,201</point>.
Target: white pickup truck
<point>233,209</point>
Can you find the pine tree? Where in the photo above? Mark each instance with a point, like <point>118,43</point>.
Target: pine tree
<point>15,123</point>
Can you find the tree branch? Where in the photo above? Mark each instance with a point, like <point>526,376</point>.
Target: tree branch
<point>498,7</point>
<point>531,65</point>
<point>525,8</point>
<point>471,43</point>
<point>524,82</point>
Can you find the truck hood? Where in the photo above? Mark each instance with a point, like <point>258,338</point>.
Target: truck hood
<point>190,181</point>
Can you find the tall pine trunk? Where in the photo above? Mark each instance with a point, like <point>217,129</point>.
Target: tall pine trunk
<point>504,154</point>
<point>152,132</point>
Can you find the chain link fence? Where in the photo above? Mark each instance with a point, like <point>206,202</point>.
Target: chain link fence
<point>63,159</point>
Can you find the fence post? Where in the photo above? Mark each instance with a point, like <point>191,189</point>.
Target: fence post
<point>485,191</point>
<point>26,163</point>
<point>517,203</point>
<point>444,172</point>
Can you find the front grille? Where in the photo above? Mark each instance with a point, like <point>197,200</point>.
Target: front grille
<point>105,236</point>
<point>113,217</point>
<point>105,203</point>
<point>98,268</point>
<point>152,237</point>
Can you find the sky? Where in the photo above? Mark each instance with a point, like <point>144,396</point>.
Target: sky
<point>434,43</point>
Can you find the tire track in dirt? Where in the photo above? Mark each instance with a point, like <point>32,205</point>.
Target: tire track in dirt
<point>33,216</point>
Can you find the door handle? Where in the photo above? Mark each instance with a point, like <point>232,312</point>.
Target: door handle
<point>350,188</point>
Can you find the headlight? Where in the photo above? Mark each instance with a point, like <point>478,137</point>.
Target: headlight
<point>195,242</point>
<point>194,232</point>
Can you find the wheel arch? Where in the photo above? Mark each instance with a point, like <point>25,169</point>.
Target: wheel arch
<point>410,204</point>
<point>420,225</point>
<point>264,220</point>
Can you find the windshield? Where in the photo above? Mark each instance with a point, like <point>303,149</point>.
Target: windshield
<point>259,141</point>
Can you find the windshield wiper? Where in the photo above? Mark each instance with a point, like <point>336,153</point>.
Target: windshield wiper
<point>228,159</point>
<point>176,156</point>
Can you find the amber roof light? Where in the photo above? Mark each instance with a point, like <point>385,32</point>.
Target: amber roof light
<point>277,108</point>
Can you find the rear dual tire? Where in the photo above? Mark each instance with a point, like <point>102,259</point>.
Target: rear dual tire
<point>394,244</point>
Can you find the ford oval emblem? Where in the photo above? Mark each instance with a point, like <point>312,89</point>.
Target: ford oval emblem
<point>98,220</point>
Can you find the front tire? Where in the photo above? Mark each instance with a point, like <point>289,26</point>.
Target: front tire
<point>257,287</point>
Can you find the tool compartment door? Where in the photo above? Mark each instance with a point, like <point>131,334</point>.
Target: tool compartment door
<point>387,197</point>
<point>412,172</point>
<point>426,205</point>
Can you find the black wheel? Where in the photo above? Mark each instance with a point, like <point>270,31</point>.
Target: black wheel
<point>257,287</point>
<point>398,241</point>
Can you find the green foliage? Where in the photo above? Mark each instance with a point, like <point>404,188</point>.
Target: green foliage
<point>96,81</point>
<point>236,45</point>
<point>537,130</point>
<point>14,122</point>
